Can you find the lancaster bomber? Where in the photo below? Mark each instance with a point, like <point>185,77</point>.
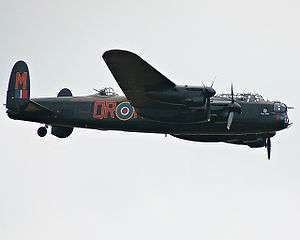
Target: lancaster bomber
<point>152,104</point>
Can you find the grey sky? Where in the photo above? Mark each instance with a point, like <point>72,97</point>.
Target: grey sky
<point>116,185</point>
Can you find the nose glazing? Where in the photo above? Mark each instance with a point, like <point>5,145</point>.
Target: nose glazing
<point>282,120</point>
<point>286,121</point>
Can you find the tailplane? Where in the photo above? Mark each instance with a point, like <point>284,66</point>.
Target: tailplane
<point>19,86</point>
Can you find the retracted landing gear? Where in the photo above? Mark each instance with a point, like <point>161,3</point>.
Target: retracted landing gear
<point>42,131</point>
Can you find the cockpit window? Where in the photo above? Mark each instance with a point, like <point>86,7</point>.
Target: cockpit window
<point>280,107</point>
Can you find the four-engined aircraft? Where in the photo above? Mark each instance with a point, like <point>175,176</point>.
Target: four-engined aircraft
<point>153,104</point>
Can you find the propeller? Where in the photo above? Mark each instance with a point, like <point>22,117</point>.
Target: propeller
<point>208,109</point>
<point>229,120</point>
<point>234,107</point>
<point>208,93</point>
<point>268,146</point>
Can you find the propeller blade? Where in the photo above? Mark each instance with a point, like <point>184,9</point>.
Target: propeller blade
<point>208,109</point>
<point>230,119</point>
<point>208,93</point>
<point>269,147</point>
<point>213,82</point>
<point>232,99</point>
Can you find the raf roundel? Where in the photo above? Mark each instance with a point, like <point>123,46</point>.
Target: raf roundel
<point>124,111</point>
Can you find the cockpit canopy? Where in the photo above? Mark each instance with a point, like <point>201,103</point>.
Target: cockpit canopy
<point>107,91</point>
<point>245,97</point>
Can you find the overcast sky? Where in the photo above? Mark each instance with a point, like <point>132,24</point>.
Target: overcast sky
<point>116,185</point>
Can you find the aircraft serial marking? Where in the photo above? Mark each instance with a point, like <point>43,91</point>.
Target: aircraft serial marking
<point>104,109</point>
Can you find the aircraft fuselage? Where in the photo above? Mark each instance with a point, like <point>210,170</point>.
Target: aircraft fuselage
<point>105,113</point>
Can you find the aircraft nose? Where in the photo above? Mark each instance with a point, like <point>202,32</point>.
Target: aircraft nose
<point>283,121</point>
<point>286,121</point>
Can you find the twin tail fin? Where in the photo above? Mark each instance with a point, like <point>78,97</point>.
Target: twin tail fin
<point>19,86</point>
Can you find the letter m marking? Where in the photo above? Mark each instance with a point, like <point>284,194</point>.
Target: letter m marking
<point>21,80</point>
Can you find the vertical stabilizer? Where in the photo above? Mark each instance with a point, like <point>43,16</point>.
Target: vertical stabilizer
<point>19,86</point>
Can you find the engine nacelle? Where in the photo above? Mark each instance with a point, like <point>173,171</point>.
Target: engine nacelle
<point>61,132</point>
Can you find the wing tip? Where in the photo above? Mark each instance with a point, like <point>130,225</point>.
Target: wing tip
<point>116,53</point>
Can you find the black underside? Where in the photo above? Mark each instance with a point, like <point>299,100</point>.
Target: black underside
<point>252,140</point>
